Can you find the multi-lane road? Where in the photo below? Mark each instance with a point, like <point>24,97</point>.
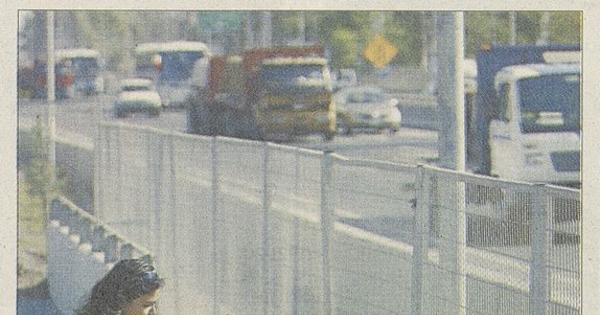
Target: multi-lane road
<point>79,118</point>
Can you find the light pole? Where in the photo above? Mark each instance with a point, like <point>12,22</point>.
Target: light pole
<point>450,83</point>
<point>50,82</point>
<point>513,27</point>
<point>249,30</point>
<point>266,29</point>
<point>451,148</point>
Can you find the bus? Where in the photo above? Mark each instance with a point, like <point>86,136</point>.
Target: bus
<point>37,80</point>
<point>85,65</point>
<point>171,65</point>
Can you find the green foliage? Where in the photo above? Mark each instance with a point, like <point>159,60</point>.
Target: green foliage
<point>105,30</point>
<point>346,48</point>
<point>286,23</point>
<point>36,165</point>
<point>401,28</point>
<point>405,30</point>
<point>528,26</point>
<point>31,221</point>
<point>565,27</point>
<point>494,28</point>
<point>480,28</point>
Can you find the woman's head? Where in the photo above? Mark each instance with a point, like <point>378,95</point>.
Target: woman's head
<point>131,287</point>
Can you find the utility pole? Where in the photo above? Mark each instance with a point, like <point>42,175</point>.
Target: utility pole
<point>451,151</point>
<point>50,82</point>
<point>544,32</point>
<point>302,27</point>
<point>38,44</point>
<point>266,29</point>
<point>430,44</point>
<point>513,27</point>
<point>450,55</point>
<point>249,31</point>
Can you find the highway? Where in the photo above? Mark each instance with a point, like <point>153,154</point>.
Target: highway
<point>79,117</point>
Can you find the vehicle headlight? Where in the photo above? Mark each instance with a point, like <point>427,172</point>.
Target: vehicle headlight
<point>535,158</point>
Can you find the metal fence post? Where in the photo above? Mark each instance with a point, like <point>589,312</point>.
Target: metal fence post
<point>452,229</point>
<point>461,244</point>
<point>326,229</point>
<point>213,211</point>
<point>97,169</point>
<point>173,218</point>
<point>156,144</point>
<point>295,267</point>
<point>265,270</point>
<point>420,240</point>
<point>118,161</point>
<point>541,220</point>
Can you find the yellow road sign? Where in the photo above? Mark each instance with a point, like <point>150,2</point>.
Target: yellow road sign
<point>379,51</point>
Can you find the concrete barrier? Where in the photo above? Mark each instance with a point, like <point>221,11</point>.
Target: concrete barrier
<point>80,251</point>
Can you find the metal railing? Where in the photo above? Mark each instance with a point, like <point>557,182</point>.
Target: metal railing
<point>243,227</point>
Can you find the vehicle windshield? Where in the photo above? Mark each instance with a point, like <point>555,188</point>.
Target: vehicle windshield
<point>131,88</point>
<point>178,65</point>
<point>550,103</point>
<point>365,97</point>
<point>84,67</point>
<point>294,78</point>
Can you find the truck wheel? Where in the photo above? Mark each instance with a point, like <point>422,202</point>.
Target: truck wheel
<point>343,127</point>
<point>154,112</point>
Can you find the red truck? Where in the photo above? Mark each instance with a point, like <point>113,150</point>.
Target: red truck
<point>265,94</point>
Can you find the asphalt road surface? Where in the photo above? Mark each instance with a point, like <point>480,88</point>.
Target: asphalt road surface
<point>80,118</point>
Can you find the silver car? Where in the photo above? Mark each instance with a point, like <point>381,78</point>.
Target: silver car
<point>366,108</point>
<point>137,95</point>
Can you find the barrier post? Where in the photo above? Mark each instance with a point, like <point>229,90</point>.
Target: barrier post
<point>327,221</point>
<point>541,220</point>
<point>420,240</point>
<point>213,211</point>
<point>452,249</point>
<point>265,270</point>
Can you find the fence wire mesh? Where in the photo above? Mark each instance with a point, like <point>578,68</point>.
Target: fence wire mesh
<point>244,227</point>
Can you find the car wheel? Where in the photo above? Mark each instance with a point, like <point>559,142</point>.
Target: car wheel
<point>155,112</point>
<point>343,127</point>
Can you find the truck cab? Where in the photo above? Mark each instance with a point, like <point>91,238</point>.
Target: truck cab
<point>535,136</point>
<point>295,97</point>
<point>523,122</point>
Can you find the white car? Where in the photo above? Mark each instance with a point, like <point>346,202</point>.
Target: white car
<point>137,95</point>
<point>366,108</point>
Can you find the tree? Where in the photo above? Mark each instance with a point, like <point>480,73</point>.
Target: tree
<point>37,167</point>
<point>346,49</point>
<point>404,31</point>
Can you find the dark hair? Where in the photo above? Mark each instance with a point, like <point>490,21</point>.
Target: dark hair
<point>126,281</point>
